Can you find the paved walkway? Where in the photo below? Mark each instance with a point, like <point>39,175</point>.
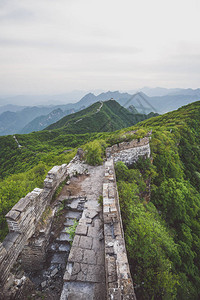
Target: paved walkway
<point>85,272</point>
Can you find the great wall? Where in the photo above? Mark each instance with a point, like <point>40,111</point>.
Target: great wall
<point>95,266</point>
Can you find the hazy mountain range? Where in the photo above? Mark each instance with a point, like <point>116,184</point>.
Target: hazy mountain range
<point>21,119</point>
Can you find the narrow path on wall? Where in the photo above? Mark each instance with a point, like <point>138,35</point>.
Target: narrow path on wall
<point>100,107</point>
<point>85,272</point>
<point>14,137</point>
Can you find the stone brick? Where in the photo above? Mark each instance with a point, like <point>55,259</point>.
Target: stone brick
<point>97,244</point>
<point>89,257</point>
<point>93,232</point>
<point>100,258</point>
<point>95,273</point>
<point>76,241</point>
<point>76,255</point>
<point>114,294</point>
<point>76,268</point>
<point>81,229</point>
<point>85,242</point>
<point>117,229</point>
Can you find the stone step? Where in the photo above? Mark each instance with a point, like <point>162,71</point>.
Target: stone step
<point>69,222</point>
<point>59,258</point>
<point>59,246</point>
<point>64,237</point>
<point>73,215</point>
<point>64,247</point>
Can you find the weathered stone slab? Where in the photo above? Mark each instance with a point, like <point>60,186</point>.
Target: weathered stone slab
<point>91,214</point>
<point>117,229</point>
<point>114,294</point>
<point>76,268</point>
<point>106,209</point>
<point>100,258</point>
<point>82,275</point>
<point>81,229</point>
<point>88,221</point>
<point>95,273</point>
<point>13,214</point>
<point>108,229</point>
<point>97,244</point>
<point>21,204</point>
<point>64,237</point>
<point>72,215</point>
<point>89,257</point>
<point>111,191</point>
<point>93,232</point>
<point>76,255</point>
<point>85,242</point>
<point>76,241</point>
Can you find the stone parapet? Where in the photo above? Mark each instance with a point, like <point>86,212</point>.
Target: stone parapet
<point>118,278</point>
<point>23,218</point>
<point>129,152</point>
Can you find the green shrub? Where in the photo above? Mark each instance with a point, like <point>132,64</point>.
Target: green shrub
<point>71,230</point>
<point>94,152</point>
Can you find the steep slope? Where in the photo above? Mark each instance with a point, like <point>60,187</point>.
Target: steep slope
<point>99,117</point>
<point>41,122</point>
<point>132,109</point>
<point>13,122</point>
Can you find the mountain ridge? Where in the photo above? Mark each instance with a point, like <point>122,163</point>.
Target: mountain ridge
<point>101,116</point>
<point>17,121</point>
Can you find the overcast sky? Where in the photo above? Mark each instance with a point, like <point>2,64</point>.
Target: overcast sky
<point>56,46</point>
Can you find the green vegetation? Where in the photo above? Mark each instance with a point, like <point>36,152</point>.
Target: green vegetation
<point>163,234</point>
<point>162,231</point>
<point>71,230</point>
<point>99,117</point>
<point>94,152</point>
<point>58,190</point>
<point>100,200</point>
<point>46,214</point>
<point>15,187</point>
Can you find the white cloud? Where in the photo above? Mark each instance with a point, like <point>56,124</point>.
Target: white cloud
<point>56,46</point>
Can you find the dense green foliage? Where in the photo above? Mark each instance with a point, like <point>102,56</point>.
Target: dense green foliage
<point>15,187</point>
<point>151,248</point>
<point>94,152</point>
<point>163,235</point>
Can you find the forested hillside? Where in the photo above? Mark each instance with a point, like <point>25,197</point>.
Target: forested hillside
<point>159,198</point>
<point>162,229</point>
<point>99,117</point>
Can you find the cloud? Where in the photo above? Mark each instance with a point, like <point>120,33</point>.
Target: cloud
<point>56,46</point>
